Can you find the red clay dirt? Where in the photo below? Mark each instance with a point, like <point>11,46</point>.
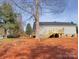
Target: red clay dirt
<point>53,48</point>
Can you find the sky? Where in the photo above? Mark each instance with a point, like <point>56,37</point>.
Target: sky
<point>70,13</point>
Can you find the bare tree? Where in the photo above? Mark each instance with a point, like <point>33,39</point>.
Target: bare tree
<point>36,7</point>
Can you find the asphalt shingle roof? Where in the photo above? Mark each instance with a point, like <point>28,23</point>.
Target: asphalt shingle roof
<point>57,23</point>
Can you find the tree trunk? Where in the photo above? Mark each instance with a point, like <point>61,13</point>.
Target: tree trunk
<point>37,29</point>
<point>37,19</point>
<point>5,33</point>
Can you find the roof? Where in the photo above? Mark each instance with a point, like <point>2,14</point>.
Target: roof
<point>58,23</point>
<point>55,24</point>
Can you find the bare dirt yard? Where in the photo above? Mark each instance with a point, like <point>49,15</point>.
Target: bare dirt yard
<point>30,48</point>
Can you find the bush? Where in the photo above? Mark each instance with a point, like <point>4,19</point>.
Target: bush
<point>13,36</point>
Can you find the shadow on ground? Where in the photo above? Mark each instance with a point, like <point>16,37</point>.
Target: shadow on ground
<point>51,52</point>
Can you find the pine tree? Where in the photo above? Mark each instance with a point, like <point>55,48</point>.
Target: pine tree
<point>9,18</point>
<point>29,29</point>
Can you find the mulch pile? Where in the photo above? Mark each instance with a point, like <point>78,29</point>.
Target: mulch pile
<point>35,49</point>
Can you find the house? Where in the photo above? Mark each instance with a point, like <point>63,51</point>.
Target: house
<point>56,29</point>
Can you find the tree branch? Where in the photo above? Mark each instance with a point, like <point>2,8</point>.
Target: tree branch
<point>28,19</point>
<point>21,7</point>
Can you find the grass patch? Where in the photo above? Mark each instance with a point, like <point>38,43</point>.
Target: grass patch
<point>7,40</point>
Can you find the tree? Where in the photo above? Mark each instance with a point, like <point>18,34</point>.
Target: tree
<point>77,29</point>
<point>8,17</point>
<point>35,8</point>
<point>29,29</point>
